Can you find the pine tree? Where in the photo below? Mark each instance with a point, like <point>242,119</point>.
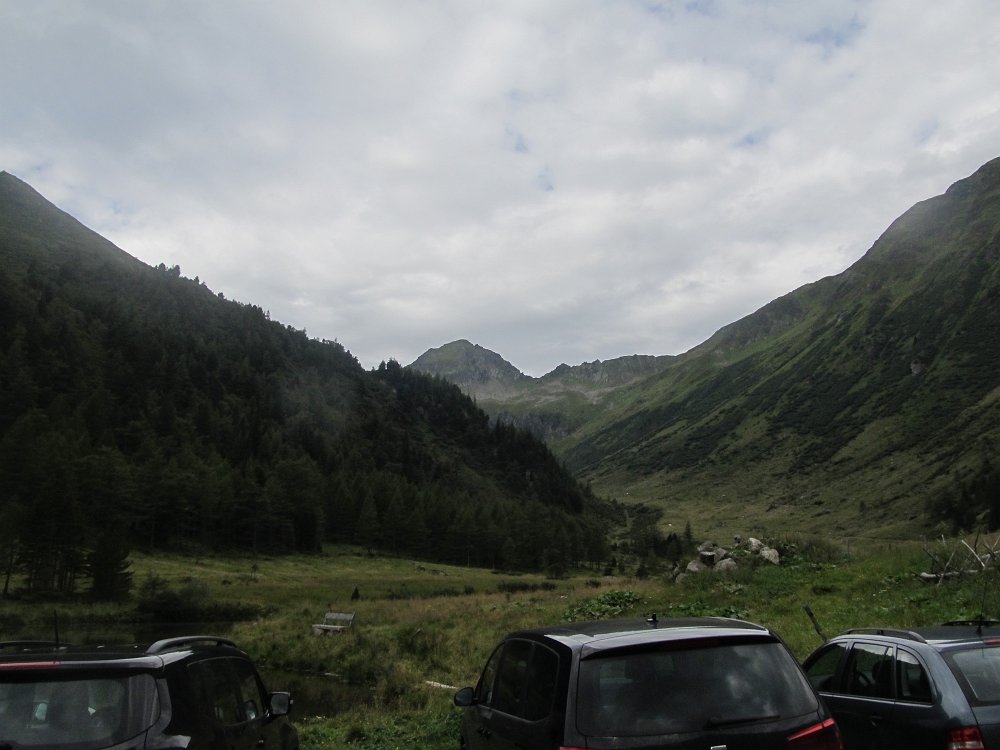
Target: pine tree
<point>367,532</point>
<point>108,566</point>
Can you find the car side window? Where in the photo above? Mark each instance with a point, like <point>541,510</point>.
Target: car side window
<point>541,683</point>
<point>218,689</point>
<point>509,691</point>
<point>520,680</point>
<point>487,682</point>
<point>914,685</point>
<point>251,692</point>
<point>868,671</point>
<point>822,670</point>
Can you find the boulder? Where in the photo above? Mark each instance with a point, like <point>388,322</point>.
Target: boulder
<point>771,555</point>
<point>696,567</point>
<point>726,566</point>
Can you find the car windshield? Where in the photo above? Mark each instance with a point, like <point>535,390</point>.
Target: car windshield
<point>89,713</point>
<point>665,691</point>
<point>979,671</point>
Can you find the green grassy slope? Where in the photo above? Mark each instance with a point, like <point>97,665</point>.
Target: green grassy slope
<point>853,402</point>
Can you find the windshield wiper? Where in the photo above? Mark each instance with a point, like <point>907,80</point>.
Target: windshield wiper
<point>725,721</point>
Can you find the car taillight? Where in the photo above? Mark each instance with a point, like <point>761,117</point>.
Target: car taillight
<point>966,738</point>
<point>822,736</point>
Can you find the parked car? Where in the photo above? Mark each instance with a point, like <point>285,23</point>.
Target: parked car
<point>924,689</point>
<point>694,683</point>
<point>197,692</point>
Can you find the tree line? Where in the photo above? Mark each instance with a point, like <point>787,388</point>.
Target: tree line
<point>140,410</point>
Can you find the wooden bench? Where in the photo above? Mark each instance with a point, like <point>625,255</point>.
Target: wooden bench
<point>334,622</point>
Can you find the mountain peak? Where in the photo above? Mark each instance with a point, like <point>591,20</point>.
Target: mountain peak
<point>473,368</point>
<point>26,216</point>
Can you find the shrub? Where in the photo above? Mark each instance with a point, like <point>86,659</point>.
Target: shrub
<point>606,605</point>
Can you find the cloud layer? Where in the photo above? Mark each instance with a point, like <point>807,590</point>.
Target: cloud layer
<point>559,181</point>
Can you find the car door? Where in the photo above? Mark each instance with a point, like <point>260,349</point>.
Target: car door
<point>867,699</point>
<point>855,681</point>
<point>917,721</point>
<point>233,706</point>
<point>266,732</point>
<point>514,700</point>
<point>477,719</point>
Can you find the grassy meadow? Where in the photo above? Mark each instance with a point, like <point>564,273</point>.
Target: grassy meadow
<point>422,629</point>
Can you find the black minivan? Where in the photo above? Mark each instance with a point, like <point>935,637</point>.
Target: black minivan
<point>196,692</point>
<point>643,685</point>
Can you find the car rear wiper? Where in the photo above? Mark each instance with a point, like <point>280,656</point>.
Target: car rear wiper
<point>725,721</point>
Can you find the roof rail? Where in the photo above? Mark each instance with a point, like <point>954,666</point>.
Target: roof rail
<point>895,632</point>
<point>173,644</point>
<point>16,646</point>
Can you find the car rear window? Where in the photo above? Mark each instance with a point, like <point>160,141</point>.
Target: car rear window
<point>664,691</point>
<point>79,713</point>
<point>979,673</point>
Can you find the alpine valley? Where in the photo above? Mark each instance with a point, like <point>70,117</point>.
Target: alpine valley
<point>140,409</point>
<point>864,404</point>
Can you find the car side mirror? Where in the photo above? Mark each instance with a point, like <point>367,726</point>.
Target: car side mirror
<point>465,697</point>
<point>279,704</point>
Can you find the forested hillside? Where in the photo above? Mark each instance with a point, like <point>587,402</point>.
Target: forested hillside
<point>139,408</point>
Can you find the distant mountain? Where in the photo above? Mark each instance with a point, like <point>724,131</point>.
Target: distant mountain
<point>611,373</point>
<point>477,371</point>
<point>139,408</point>
<point>867,402</point>
<point>550,406</point>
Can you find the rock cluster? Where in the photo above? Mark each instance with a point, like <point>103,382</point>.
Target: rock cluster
<point>716,559</point>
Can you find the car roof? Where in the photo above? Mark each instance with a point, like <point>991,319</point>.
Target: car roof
<point>36,654</point>
<point>953,633</point>
<point>600,635</point>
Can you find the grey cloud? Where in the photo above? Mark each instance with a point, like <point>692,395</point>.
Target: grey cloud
<point>558,181</point>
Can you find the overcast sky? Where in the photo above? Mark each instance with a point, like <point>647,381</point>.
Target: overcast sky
<point>556,180</point>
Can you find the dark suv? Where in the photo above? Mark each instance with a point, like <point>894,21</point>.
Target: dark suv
<point>924,689</point>
<point>196,692</point>
<point>695,683</point>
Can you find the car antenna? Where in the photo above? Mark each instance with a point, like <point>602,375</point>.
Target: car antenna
<point>55,625</point>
